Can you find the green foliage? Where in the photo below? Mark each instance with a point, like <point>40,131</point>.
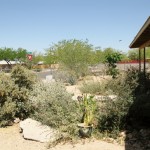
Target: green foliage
<point>75,55</point>
<point>65,76</point>
<point>36,58</point>
<point>108,51</point>
<point>131,106</point>
<point>7,105</point>
<point>14,92</point>
<point>133,54</point>
<point>23,77</point>
<point>111,59</point>
<point>88,107</point>
<point>113,113</point>
<point>11,54</point>
<point>21,54</point>
<point>139,111</point>
<point>54,107</point>
<point>93,88</point>
<point>97,56</point>
<point>50,56</point>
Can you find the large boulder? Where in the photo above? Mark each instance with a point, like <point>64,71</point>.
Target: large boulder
<point>34,130</point>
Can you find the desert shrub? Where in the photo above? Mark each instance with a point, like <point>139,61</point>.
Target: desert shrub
<point>93,87</point>
<point>139,111</point>
<point>65,77</point>
<point>14,91</point>
<point>131,107</point>
<point>23,77</point>
<point>7,106</point>
<point>113,113</point>
<point>112,117</point>
<point>54,107</point>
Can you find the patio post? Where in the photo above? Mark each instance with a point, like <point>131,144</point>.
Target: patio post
<point>139,60</point>
<point>144,62</point>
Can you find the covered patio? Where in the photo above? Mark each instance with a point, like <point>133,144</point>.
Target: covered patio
<point>141,41</point>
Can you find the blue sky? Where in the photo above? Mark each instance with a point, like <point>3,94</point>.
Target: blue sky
<point>36,24</point>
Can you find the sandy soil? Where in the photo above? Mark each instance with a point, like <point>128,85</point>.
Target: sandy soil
<point>11,139</point>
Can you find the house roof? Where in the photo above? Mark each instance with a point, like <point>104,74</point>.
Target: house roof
<point>3,62</point>
<point>142,39</point>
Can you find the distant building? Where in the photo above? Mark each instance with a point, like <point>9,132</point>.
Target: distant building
<point>7,64</point>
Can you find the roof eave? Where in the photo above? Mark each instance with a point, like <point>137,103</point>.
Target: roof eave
<point>137,37</point>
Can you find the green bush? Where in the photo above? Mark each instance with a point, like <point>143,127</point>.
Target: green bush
<point>111,59</point>
<point>65,77</point>
<point>23,77</point>
<point>113,113</point>
<point>14,92</point>
<point>7,105</point>
<point>131,108</point>
<point>93,88</point>
<point>139,112</point>
<point>54,107</point>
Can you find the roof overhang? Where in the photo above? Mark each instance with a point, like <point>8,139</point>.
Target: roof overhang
<point>142,39</point>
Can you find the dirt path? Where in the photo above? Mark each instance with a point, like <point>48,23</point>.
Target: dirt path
<point>11,139</point>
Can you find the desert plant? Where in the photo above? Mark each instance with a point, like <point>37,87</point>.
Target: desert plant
<point>113,113</point>
<point>73,54</point>
<point>54,107</point>
<point>7,105</point>
<point>14,91</point>
<point>139,111</point>
<point>65,76</point>
<point>93,87</point>
<point>88,107</point>
<point>111,59</point>
<point>23,77</point>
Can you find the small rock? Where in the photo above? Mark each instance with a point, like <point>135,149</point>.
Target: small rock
<point>17,120</point>
<point>123,134</point>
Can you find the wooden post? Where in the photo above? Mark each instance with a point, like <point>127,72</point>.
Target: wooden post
<point>144,62</point>
<point>139,60</point>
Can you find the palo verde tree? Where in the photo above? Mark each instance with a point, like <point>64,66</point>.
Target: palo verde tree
<point>50,56</point>
<point>74,55</point>
<point>97,56</point>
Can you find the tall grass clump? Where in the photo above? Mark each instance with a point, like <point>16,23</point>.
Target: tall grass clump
<point>54,107</point>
